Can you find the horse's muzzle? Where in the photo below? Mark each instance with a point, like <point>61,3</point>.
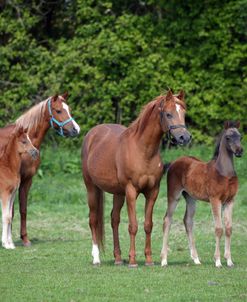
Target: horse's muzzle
<point>239,152</point>
<point>182,138</point>
<point>34,153</point>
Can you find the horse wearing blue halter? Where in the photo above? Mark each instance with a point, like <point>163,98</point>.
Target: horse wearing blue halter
<point>59,124</point>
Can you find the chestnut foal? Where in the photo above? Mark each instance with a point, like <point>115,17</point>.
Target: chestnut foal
<point>10,164</point>
<point>215,182</point>
<point>126,162</point>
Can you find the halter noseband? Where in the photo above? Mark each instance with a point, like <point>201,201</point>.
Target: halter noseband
<point>59,124</point>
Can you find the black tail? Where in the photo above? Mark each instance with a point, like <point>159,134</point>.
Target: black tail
<point>166,167</point>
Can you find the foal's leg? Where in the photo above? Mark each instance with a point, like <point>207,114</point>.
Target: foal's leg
<point>228,232</point>
<point>95,196</point>
<point>7,204</point>
<point>148,224</point>
<point>23,193</point>
<point>131,196</point>
<point>216,210</point>
<point>118,201</point>
<point>188,223</point>
<point>173,199</point>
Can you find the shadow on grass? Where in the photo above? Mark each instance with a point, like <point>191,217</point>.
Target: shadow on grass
<point>36,241</point>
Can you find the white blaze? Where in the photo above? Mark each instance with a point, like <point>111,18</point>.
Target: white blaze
<point>178,108</point>
<point>76,126</point>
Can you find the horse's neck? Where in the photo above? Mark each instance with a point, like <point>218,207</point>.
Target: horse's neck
<point>148,135</point>
<point>224,162</point>
<point>37,135</point>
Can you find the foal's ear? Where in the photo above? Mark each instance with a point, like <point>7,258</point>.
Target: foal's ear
<point>55,97</point>
<point>65,95</point>
<point>169,95</point>
<point>237,124</point>
<point>19,131</point>
<point>181,95</point>
<point>226,124</point>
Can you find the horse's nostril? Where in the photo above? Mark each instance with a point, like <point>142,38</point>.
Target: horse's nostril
<point>181,138</point>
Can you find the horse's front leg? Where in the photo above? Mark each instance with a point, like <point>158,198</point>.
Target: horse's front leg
<point>131,195</point>
<point>118,201</point>
<point>151,197</point>
<point>7,205</point>
<point>228,232</point>
<point>23,193</point>
<point>216,210</point>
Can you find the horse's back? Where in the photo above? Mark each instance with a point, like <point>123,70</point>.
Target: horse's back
<point>188,174</point>
<point>98,156</point>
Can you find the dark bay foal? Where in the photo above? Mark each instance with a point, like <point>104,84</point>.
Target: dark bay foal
<point>215,182</point>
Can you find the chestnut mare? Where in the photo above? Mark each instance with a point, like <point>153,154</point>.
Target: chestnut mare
<point>10,163</point>
<point>53,112</point>
<point>125,162</point>
<point>215,182</point>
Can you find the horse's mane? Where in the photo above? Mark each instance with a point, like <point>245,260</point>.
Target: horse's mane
<point>147,110</point>
<point>32,118</point>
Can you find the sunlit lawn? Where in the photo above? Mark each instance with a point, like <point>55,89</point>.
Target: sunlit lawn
<point>57,267</point>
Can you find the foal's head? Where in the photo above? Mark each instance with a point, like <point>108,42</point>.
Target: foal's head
<point>232,138</point>
<point>172,112</point>
<point>24,144</point>
<point>61,119</point>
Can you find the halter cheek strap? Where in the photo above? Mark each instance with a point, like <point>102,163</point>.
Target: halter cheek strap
<point>59,124</point>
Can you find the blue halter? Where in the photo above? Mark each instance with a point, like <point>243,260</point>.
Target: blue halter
<point>60,124</point>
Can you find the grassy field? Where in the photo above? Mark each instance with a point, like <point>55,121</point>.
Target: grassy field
<point>57,267</point>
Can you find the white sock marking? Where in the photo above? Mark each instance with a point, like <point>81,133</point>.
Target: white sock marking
<point>95,254</point>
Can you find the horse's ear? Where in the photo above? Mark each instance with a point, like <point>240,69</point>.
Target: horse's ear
<point>19,131</point>
<point>181,95</point>
<point>169,95</point>
<point>226,124</point>
<point>65,95</point>
<point>237,124</point>
<point>55,97</point>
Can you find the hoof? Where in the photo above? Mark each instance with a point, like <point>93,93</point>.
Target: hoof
<point>96,264</point>
<point>149,263</point>
<point>27,243</point>
<point>134,265</point>
<point>118,263</point>
<point>230,264</point>
<point>164,263</point>
<point>8,246</point>
<point>197,261</point>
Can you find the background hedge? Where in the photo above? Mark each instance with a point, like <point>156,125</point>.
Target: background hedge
<point>115,56</point>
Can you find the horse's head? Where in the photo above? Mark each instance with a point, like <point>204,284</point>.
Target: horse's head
<point>172,116</point>
<point>24,144</point>
<point>232,138</point>
<point>60,117</point>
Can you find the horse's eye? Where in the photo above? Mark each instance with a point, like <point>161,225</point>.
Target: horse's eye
<point>58,111</point>
<point>169,115</point>
<point>24,142</point>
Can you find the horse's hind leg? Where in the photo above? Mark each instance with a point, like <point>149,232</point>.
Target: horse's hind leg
<point>95,203</point>
<point>188,223</point>
<point>118,201</point>
<point>228,232</point>
<point>173,198</point>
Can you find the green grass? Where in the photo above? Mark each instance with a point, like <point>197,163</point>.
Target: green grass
<point>57,267</point>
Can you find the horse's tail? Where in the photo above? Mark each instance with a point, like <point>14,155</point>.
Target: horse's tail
<point>100,225</point>
<point>166,167</point>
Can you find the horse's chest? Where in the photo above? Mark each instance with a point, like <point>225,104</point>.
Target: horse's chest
<point>230,189</point>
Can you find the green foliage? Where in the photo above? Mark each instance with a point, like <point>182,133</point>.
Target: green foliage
<point>115,56</point>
